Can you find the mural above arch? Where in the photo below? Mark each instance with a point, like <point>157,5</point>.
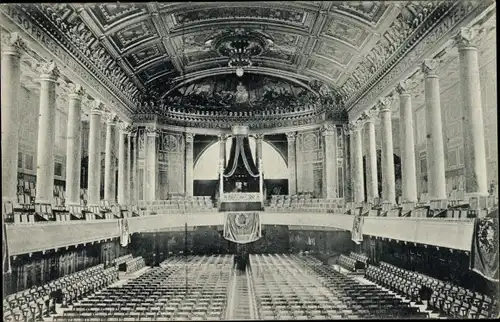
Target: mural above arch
<point>251,92</point>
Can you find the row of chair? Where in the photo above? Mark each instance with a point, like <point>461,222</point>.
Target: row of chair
<point>134,264</point>
<point>183,288</point>
<point>347,263</point>
<point>39,302</point>
<point>359,300</point>
<point>445,298</point>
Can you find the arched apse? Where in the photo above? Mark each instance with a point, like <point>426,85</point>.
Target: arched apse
<point>206,166</point>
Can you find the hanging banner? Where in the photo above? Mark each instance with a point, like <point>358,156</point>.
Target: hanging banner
<point>242,227</point>
<point>484,250</point>
<point>124,232</point>
<point>357,229</point>
<point>5,249</point>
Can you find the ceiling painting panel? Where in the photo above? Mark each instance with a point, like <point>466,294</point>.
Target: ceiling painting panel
<point>145,55</point>
<point>134,34</point>
<point>348,33</point>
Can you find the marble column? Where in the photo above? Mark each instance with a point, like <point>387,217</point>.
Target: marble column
<point>151,164</point>
<point>122,156</point>
<point>189,164</point>
<point>329,132</point>
<point>387,160</point>
<point>12,48</point>
<point>129,166</point>
<point>109,159</point>
<point>222,149</point>
<point>408,167</point>
<point>133,166</point>
<point>46,133</point>
<point>357,163</point>
<point>371,157</point>
<point>74,146</point>
<point>258,147</point>
<point>292,166</point>
<point>435,147</point>
<point>476,180</point>
<point>94,169</point>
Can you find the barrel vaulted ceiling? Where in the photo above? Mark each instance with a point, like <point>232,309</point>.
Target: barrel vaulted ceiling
<point>148,48</point>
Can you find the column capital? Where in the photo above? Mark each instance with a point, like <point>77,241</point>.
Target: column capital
<point>112,118</point>
<point>290,136</point>
<point>13,44</point>
<point>371,114</point>
<point>430,67</point>
<point>468,38</point>
<point>48,71</point>
<point>384,103</point>
<point>151,131</point>
<point>124,127</point>
<point>97,107</point>
<point>328,129</point>
<point>405,86</point>
<point>222,136</point>
<point>76,91</point>
<point>132,131</point>
<point>259,136</point>
<point>189,137</point>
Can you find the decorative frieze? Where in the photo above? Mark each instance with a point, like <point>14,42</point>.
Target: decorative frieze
<point>404,64</point>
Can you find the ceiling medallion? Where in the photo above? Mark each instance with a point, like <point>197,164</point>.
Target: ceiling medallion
<point>240,46</point>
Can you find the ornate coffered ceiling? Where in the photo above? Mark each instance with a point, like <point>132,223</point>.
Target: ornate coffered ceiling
<point>143,50</point>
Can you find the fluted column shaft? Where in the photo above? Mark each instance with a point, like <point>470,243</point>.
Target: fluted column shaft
<point>151,165</point>
<point>109,162</point>
<point>189,164</point>
<point>121,166</point>
<point>476,180</point>
<point>372,170</point>
<point>388,176</point>
<point>357,168</point>
<point>408,168</point>
<point>10,89</point>
<point>74,147</point>
<point>46,135</point>
<point>435,147</point>
<point>330,162</point>
<point>292,165</point>
<point>94,170</point>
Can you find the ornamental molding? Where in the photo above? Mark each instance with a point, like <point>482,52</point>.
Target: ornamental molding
<point>227,120</point>
<point>13,43</point>
<point>28,19</point>
<point>415,19</point>
<point>462,12</point>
